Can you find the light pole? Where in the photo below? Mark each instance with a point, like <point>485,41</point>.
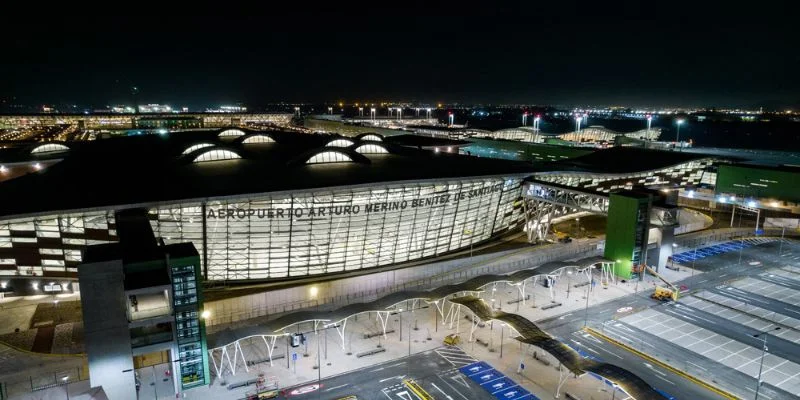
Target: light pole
<point>501,339</point>
<point>450,117</point>
<point>536,123</point>
<point>763,337</point>
<point>679,122</point>
<point>400,312</point>
<point>372,113</point>
<point>524,118</point>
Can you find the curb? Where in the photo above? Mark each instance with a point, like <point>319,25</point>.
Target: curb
<point>661,364</point>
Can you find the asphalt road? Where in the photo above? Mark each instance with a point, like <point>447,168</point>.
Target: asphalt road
<point>436,371</point>
<point>719,270</point>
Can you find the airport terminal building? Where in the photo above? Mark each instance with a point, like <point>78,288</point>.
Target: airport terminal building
<point>257,205</point>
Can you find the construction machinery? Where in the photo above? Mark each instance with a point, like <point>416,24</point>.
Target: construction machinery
<point>452,339</point>
<point>665,292</point>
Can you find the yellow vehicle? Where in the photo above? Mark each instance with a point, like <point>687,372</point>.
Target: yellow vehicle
<point>351,397</point>
<point>452,340</point>
<point>664,294</point>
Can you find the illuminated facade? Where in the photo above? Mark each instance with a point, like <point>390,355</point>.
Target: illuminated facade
<point>287,235</point>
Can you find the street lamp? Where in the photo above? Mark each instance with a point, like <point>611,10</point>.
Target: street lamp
<point>763,337</point>
<point>679,122</point>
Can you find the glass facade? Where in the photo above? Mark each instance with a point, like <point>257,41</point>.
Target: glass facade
<point>192,365</point>
<point>270,236</point>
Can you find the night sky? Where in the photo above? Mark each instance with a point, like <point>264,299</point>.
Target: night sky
<point>674,54</point>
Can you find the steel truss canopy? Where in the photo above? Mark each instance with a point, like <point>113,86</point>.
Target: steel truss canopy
<point>448,304</point>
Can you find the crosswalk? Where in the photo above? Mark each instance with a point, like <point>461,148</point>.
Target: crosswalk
<point>455,356</point>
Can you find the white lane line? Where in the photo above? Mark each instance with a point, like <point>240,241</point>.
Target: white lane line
<point>394,377</point>
<point>665,379</point>
<point>336,387</point>
<point>387,395</point>
<point>394,365</point>
<point>377,369</point>
<point>689,362</point>
<point>445,394</point>
<point>452,387</point>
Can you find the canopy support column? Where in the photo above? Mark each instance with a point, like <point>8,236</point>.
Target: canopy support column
<point>270,346</point>
<point>383,321</point>
<point>341,331</point>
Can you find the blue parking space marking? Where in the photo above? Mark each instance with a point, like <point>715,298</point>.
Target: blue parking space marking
<point>475,368</point>
<point>486,376</point>
<point>498,385</point>
<point>494,382</point>
<point>512,393</point>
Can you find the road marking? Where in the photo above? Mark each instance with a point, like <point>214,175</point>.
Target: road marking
<point>460,380</point>
<point>377,369</point>
<point>394,365</point>
<point>759,393</point>
<point>689,362</point>
<point>704,280</point>
<point>445,394</point>
<point>336,387</point>
<point>665,379</point>
<point>394,377</point>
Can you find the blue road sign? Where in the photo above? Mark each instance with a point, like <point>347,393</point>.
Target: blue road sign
<point>294,356</point>
<point>521,366</point>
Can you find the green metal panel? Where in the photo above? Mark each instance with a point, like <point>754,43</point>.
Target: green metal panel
<point>759,182</point>
<point>621,232</point>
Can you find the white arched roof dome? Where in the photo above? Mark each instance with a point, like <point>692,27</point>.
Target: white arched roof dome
<point>195,147</point>
<point>340,143</point>
<point>258,138</point>
<point>216,155</point>
<point>231,133</point>
<point>371,148</point>
<point>325,157</point>
<point>49,148</point>
<point>372,137</point>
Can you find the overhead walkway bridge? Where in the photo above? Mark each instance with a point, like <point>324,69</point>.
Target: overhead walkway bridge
<point>544,201</point>
<point>227,354</point>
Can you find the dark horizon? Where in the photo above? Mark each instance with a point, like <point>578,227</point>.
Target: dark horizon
<point>702,56</point>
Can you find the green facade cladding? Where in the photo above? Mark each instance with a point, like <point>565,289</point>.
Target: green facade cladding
<point>626,231</point>
<point>759,182</point>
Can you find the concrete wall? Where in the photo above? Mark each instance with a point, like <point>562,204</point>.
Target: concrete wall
<point>334,294</point>
<point>106,332</point>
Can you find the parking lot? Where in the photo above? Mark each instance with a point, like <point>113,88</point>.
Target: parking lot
<point>718,333</point>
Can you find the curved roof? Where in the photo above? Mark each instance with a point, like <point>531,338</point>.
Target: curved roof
<point>370,148</point>
<point>216,155</point>
<point>620,160</point>
<point>151,169</point>
<point>330,155</point>
<point>232,133</point>
<point>254,138</point>
<point>49,148</point>
<point>196,147</point>
<point>375,137</point>
<point>340,142</point>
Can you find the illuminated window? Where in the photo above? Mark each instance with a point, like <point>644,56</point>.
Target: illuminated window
<point>260,138</point>
<point>374,138</point>
<point>231,133</point>
<point>195,147</point>
<point>339,143</point>
<point>371,149</point>
<point>329,157</point>
<point>49,148</point>
<point>216,155</point>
